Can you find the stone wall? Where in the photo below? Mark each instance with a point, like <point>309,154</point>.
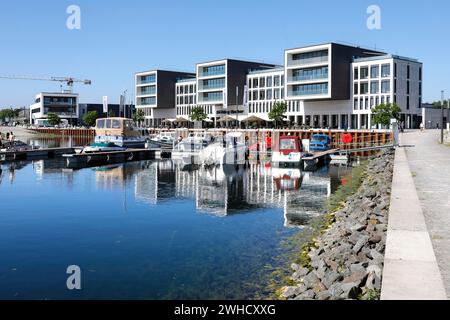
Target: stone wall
<point>347,261</point>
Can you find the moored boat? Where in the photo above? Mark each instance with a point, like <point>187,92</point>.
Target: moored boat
<point>120,132</point>
<point>287,152</point>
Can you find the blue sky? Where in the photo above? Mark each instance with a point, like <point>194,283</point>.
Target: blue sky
<point>118,38</point>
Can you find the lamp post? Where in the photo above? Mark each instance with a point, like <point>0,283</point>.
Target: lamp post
<point>237,107</point>
<point>442,117</point>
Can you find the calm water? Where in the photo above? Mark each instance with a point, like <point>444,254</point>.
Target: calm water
<point>149,230</point>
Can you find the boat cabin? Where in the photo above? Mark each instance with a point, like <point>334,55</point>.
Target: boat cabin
<point>320,142</point>
<point>121,127</point>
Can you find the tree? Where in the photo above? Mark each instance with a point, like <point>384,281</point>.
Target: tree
<point>383,113</point>
<point>90,118</point>
<point>53,119</point>
<point>198,114</point>
<point>111,114</point>
<point>437,104</point>
<point>277,112</point>
<point>139,116</point>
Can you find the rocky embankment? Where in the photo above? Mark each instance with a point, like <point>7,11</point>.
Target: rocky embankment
<point>346,261</point>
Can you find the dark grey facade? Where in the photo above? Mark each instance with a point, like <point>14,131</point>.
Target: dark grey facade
<point>166,81</point>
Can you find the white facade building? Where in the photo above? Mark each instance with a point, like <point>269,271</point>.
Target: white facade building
<point>324,86</point>
<point>64,105</point>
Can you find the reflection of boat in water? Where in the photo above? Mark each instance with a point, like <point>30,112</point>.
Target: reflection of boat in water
<point>195,142</point>
<point>120,132</point>
<point>287,179</point>
<point>228,150</point>
<point>16,146</point>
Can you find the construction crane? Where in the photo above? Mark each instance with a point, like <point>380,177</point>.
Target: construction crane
<point>68,80</point>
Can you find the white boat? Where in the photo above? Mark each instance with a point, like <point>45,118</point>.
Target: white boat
<point>228,150</point>
<point>195,142</point>
<point>17,145</point>
<point>287,152</point>
<point>121,132</point>
<point>163,140</point>
<point>102,147</point>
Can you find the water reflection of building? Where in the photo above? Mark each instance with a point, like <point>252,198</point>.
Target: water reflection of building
<point>116,176</point>
<point>224,192</point>
<point>157,182</point>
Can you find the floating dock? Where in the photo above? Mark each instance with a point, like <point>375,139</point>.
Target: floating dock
<point>36,154</point>
<point>317,158</point>
<point>77,160</point>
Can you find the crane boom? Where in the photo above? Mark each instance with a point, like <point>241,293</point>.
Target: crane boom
<point>68,80</point>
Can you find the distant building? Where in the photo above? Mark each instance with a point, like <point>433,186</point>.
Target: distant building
<point>431,116</point>
<point>113,110</point>
<point>65,105</point>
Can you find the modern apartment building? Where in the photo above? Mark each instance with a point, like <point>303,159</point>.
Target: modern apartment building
<point>155,94</point>
<point>65,105</point>
<point>325,86</point>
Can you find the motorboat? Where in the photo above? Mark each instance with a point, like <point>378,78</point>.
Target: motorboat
<point>320,142</point>
<point>195,142</point>
<point>163,140</point>
<point>16,146</point>
<point>227,150</point>
<point>287,152</point>
<point>102,147</point>
<point>120,132</point>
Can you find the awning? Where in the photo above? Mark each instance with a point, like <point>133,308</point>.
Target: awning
<point>182,119</point>
<point>255,118</point>
<point>227,118</point>
<point>208,120</point>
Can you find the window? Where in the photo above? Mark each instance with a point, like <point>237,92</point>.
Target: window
<point>386,70</point>
<point>262,95</point>
<point>255,95</point>
<point>407,103</point>
<point>310,89</point>
<point>276,81</point>
<point>288,144</point>
<point>366,103</point>
<point>371,101</point>
<point>374,87</point>
<point>269,81</point>
<point>101,124</point>
<point>310,74</point>
<point>269,94</point>
<point>385,86</point>
<point>282,80</point>
<point>355,74</point>
<point>355,104</point>
<point>276,94</point>
<point>255,83</point>
<point>355,89</point>
<point>311,57</point>
<point>420,74</point>
<point>407,87</point>
<point>395,86</point>
<point>262,82</point>
<point>382,99</point>
<point>364,88</point>
<point>374,71</point>
<point>213,84</point>
<point>408,72</point>
<point>213,70</point>
<point>364,73</point>
<point>395,70</point>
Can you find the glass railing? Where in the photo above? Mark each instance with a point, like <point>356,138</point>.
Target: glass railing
<point>308,77</point>
<point>211,99</point>
<point>146,81</point>
<point>148,92</point>
<point>212,86</point>
<point>308,92</point>
<point>308,61</point>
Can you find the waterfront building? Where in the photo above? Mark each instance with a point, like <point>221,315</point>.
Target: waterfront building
<point>65,105</point>
<point>324,86</point>
<point>115,110</point>
<point>155,94</point>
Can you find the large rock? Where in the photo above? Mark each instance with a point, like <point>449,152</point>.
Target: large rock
<point>361,242</point>
<point>350,290</point>
<point>331,277</point>
<point>310,280</point>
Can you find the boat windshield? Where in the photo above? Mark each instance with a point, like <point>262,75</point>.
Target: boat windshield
<point>101,123</point>
<point>288,144</point>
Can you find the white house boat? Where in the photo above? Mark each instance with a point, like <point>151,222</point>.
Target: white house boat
<point>163,140</point>
<point>120,132</point>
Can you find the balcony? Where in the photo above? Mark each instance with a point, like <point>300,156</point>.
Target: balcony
<point>308,77</point>
<point>309,92</point>
<point>307,61</point>
<point>147,92</point>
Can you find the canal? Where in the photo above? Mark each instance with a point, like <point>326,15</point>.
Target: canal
<point>151,229</point>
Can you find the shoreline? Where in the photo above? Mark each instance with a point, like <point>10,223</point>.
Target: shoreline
<point>346,259</point>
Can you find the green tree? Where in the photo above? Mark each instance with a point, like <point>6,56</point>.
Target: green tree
<point>198,114</point>
<point>90,118</point>
<point>383,113</point>
<point>139,116</point>
<point>278,111</point>
<point>53,119</point>
<point>111,114</point>
<point>437,104</point>
<point>9,113</point>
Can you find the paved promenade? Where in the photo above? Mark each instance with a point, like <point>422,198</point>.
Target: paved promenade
<point>417,264</point>
<point>430,165</point>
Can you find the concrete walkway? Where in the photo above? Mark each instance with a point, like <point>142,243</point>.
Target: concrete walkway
<point>417,260</point>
